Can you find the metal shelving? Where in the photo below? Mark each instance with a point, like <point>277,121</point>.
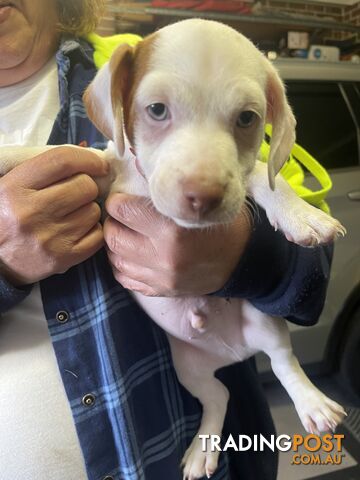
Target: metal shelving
<point>284,19</point>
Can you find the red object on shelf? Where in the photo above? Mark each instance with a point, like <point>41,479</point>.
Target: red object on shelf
<point>204,5</point>
<point>186,4</point>
<point>223,6</point>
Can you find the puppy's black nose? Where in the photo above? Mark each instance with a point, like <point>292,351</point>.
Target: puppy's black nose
<point>202,199</point>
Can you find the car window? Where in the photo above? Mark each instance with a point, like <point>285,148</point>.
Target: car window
<point>325,126</point>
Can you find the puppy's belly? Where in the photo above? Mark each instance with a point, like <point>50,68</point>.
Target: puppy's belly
<point>226,324</point>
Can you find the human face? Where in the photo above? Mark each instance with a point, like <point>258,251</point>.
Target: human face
<point>28,38</point>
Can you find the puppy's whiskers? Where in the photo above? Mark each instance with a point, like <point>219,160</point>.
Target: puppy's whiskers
<point>251,211</point>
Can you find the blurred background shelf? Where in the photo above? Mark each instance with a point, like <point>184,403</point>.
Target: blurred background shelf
<point>266,22</point>
<point>147,14</point>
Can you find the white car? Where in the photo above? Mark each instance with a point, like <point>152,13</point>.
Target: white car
<point>326,101</point>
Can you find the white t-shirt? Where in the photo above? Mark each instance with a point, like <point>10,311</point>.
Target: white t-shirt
<point>38,440</point>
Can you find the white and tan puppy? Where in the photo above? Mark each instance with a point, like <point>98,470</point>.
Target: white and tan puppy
<point>185,112</point>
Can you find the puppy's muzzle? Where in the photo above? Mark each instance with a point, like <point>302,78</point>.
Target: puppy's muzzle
<point>199,198</point>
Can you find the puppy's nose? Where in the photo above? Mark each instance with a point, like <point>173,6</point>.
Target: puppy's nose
<point>202,199</point>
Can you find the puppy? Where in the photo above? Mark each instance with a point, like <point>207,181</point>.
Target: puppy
<point>185,112</point>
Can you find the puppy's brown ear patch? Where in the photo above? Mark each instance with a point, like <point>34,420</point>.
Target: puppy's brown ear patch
<point>104,97</point>
<point>120,66</point>
<point>141,64</point>
<point>95,112</point>
<point>109,98</point>
<point>280,115</point>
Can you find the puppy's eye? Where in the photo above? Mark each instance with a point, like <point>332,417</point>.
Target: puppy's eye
<point>158,111</point>
<point>246,119</point>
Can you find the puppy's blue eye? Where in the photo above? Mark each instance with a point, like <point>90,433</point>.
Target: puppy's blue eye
<point>246,119</point>
<point>158,111</point>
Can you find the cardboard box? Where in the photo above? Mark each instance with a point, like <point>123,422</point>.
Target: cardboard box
<point>125,12</point>
<point>298,40</point>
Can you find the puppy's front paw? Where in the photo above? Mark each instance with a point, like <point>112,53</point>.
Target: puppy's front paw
<point>320,414</point>
<point>307,226</point>
<point>196,463</point>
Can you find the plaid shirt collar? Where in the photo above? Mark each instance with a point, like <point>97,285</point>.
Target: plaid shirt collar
<point>71,50</point>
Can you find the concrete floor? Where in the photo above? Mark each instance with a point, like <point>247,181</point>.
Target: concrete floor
<point>287,422</point>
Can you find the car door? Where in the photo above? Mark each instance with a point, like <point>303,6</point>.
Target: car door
<point>328,119</point>
<point>328,116</point>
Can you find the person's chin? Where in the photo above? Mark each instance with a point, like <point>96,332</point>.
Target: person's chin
<point>16,42</point>
<point>12,53</point>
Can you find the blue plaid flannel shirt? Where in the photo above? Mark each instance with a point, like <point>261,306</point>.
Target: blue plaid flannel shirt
<point>133,418</point>
<point>137,420</point>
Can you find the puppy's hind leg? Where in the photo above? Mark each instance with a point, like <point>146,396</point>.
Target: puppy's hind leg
<point>316,411</point>
<point>195,369</point>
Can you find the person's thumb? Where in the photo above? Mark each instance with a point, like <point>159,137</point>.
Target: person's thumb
<point>136,212</point>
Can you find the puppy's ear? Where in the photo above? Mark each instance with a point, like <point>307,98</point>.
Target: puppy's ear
<point>104,98</point>
<point>280,115</point>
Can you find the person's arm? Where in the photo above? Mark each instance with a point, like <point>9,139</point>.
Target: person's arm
<point>49,218</point>
<point>279,277</point>
<point>11,295</point>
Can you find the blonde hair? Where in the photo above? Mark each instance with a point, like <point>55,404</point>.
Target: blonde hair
<point>79,17</point>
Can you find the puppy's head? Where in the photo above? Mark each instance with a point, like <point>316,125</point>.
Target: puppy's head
<point>193,100</point>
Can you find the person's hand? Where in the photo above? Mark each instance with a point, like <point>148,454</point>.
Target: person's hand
<point>48,216</point>
<point>150,254</point>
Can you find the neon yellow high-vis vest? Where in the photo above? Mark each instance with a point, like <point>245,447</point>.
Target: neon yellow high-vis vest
<point>291,171</point>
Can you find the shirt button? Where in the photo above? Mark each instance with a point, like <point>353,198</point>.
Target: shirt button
<point>88,400</point>
<point>62,316</point>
